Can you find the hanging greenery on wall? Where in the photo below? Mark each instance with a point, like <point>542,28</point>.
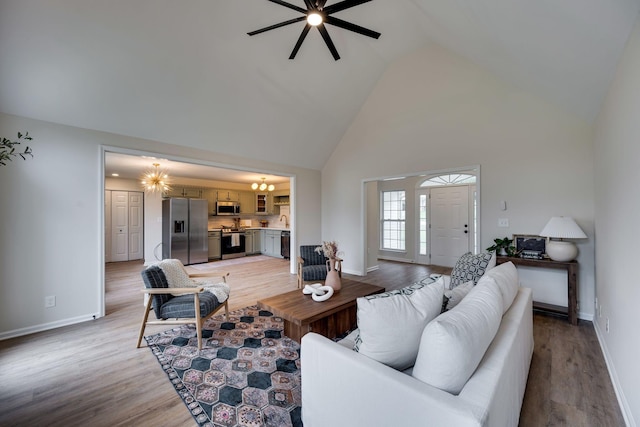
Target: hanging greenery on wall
<point>8,148</point>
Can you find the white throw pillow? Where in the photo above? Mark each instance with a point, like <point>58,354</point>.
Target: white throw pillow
<point>506,278</point>
<point>455,295</point>
<point>391,323</point>
<point>453,344</point>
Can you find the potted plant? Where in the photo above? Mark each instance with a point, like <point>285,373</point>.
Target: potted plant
<point>8,149</point>
<point>503,247</point>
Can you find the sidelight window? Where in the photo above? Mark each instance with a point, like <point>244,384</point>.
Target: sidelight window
<point>393,220</point>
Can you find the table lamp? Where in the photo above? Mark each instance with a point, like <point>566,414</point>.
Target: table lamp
<point>562,227</point>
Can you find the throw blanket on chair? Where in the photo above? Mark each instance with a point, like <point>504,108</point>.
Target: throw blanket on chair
<point>177,277</point>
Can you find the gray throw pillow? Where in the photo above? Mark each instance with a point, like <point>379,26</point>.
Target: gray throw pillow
<point>471,267</point>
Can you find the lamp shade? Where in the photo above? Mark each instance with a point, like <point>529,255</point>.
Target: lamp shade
<point>562,227</point>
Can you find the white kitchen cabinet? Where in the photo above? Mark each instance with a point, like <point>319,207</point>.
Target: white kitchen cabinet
<point>247,202</point>
<point>257,241</point>
<point>253,241</point>
<point>192,193</point>
<point>248,242</point>
<point>228,196</point>
<point>215,248</point>
<point>271,243</point>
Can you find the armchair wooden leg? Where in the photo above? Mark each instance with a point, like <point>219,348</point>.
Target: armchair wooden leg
<point>147,309</point>
<point>226,309</point>
<point>196,301</point>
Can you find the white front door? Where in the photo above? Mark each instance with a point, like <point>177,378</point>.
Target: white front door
<point>449,224</point>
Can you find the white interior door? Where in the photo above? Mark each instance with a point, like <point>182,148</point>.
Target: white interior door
<point>119,226</point>
<point>136,226</point>
<point>449,224</point>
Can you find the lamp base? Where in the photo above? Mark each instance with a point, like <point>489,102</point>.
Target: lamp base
<point>562,251</point>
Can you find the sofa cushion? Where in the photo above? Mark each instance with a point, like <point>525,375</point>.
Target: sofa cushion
<point>453,296</point>
<point>471,267</point>
<point>452,345</point>
<point>390,323</point>
<point>506,278</point>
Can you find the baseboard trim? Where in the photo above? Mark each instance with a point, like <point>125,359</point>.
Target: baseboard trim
<point>390,258</point>
<point>374,268</point>
<point>46,326</point>
<point>622,401</point>
<point>585,316</point>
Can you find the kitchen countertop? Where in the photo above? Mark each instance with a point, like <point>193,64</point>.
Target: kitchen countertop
<point>257,228</point>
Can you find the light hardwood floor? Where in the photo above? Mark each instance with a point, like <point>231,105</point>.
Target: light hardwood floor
<point>92,374</point>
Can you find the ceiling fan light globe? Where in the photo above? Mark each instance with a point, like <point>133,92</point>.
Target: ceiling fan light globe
<point>314,19</point>
<point>271,187</point>
<point>263,186</point>
<point>254,186</point>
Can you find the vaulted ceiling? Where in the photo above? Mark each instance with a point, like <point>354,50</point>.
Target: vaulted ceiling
<point>186,72</point>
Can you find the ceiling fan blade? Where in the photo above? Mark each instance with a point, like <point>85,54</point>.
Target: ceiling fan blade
<point>320,3</point>
<point>346,4</point>
<point>351,27</point>
<point>311,4</point>
<point>273,27</point>
<point>289,5</point>
<point>304,33</point>
<point>328,41</point>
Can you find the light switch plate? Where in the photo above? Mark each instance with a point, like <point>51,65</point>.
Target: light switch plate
<point>503,222</point>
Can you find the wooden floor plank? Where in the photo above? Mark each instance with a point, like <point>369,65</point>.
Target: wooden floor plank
<point>92,374</point>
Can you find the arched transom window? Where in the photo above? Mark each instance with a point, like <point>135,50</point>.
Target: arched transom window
<point>449,179</point>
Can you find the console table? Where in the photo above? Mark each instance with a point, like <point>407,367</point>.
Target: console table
<point>572,284</point>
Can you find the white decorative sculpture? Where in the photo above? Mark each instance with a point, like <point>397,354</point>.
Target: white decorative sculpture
<point>318,292</point>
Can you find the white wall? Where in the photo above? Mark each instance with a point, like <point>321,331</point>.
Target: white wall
<point>617,174</point>
<point>51,212</point>
<point>433,110</point>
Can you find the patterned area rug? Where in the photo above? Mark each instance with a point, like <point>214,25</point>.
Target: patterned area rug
<point>247,373</point>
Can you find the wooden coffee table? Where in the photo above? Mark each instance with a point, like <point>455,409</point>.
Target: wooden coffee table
<point>330,318</point>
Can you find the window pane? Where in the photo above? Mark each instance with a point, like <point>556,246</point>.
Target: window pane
<point>422,231</point>
<point>393,220</point>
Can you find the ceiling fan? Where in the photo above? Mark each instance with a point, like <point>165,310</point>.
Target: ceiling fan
<point>316,15</point>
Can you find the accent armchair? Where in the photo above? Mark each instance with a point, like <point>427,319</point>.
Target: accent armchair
<point>313,266</point>
<point>177,306</point>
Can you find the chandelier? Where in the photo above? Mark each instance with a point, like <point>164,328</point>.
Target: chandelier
<point>155,180</point>
<point>262,186</point>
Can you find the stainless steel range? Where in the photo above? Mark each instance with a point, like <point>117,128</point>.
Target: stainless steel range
<point>233,243</point>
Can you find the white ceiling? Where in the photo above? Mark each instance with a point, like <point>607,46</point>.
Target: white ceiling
<point>186,72</point>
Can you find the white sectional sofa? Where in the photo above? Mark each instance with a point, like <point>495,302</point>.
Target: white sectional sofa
<point>342,387</point>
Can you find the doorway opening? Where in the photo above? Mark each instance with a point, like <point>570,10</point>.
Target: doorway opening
<point>432,211</point>
<point>188,173</point>
<point>447,218</point>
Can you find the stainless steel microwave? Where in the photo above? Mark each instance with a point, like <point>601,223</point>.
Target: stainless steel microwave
<point>227,208</point>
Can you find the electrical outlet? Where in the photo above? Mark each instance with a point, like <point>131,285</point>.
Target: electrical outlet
<point>503,222</point>
<point>50,301</point>
<point>607,326</point>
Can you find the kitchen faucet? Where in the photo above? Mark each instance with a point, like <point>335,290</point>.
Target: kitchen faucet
<point>286,220</point>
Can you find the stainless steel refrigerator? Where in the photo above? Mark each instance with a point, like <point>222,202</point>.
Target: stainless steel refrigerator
<point>184,230</point>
